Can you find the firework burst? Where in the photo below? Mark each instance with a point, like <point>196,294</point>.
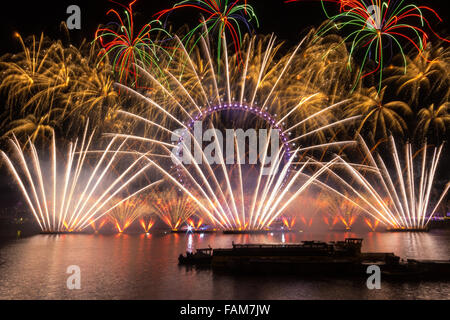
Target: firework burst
<point>31,77</point>
<point>173,209</point>
<point>49,86</point>
<point>426,75</point>
<point>221,16</point>
<point>378,26</point>
<point>433,122</point>
<point>127,48</point>
<point>123,215</point>
<point>380,117</point>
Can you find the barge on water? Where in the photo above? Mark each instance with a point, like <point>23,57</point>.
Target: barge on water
<point>268,231</point>
<point>311,257</point>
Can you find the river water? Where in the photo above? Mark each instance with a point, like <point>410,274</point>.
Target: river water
<point>145,267</point>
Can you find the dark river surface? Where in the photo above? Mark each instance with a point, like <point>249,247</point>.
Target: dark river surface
<point>145,267</point>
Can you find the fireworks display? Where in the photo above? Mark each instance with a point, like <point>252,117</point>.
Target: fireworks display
<point>49,85</point>
<point>224,149</point>
<point>69,198</point>
<point>218,189</point>
<point>173,209</point>
<point>128,211</point>
<point>342,210</point>
<point>195,225</point>
<point>146,225</point>
<point>372,224</point>
<point>165,102</point>
<point>230,205</point>
<point>379,116</point>
<point>425,74</point>
<point>402,198</point>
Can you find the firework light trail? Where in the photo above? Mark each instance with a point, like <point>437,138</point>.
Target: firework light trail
<point>172,208</point>
<point>51,85</point>
<point>373,225</point>
<point>146,224</point>
<point>70,198</point>
<point>401,198</point>
<point>378,26</point>
<point>233,197</point>
<point>194,225</point>
<point>97,227</point>
<point>311,205</point>
<point>220,16</point>
<point>123,215</point>
<point>343,210</point>
<point>230,202</point>
<point>289,222</point>
<point>126,47</point>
